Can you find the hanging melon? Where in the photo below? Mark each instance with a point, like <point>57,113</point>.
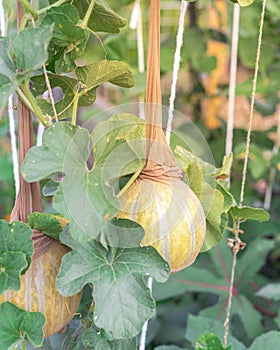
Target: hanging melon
<point>168,210</point>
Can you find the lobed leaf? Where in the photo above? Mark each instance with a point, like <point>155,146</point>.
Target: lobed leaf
<point>123,301</point>
<point>17,324</point>
<point>66,150</point>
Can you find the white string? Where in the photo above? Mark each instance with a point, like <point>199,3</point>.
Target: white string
<point>10,112</point>
<point>143,336</point>
<point>237,246</point>
<point>232,82</point>
<point>272,173</point>
<point>176,66</point>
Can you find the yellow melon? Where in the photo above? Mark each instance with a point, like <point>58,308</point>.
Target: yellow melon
<point>172,217</point>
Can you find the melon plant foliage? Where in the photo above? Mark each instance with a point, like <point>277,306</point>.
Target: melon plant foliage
<point>106,256</point>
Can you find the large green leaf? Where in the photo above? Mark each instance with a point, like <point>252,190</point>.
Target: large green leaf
<point>102,18</point>
<point>123,301</point>
<point>95,339</point>
<point>17,324</point>
<point>69,40</point>
<point>30,47</point>
<point>86,197</point>
<point>269,340</point>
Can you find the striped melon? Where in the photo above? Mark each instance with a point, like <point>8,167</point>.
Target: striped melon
<point>171,216</point>
<point>38,290</point>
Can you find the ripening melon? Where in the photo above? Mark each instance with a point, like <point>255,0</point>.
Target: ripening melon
<point>172,217</point>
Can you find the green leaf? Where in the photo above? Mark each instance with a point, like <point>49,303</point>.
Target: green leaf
<point>250,263</point>
<point>269,340</point>
<point>102,18</point>
<point>47,223</point>
<point>123,301</point>
<point>16,324</point>
<point>192,279</point>
<point>86,198</point>
<point>95,339</point>
<point>11,266</point>
<point>270,291</point>
<point>9,81</point>
<point>50,188</point>
<point>7,87</point>
<point>91,76</point>
<point>68,86</point>
<point>16,237</point>
<point>201,177</point>
<point>69,40</point>
<point>210,341</point>
<point>199,325</point>
<point>7,67</point>
<point>115,72</point>
<point>249,213</point>
<point>32,56</point>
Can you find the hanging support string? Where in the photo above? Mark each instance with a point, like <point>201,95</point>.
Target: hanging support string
<point>238,244</point>
<point>176,67</point>
<point>11,116</point>
<point>272,172</point>
<point>232,81</point>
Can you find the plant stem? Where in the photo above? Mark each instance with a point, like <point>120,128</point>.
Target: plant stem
<point>24,99</point>
<point>75,109</point>
<point>128,184</point>
<point>46,121</point>
<point>23,345</point>
<point>87,15</point>
<point>29,8</point>
<point>45,9</point>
